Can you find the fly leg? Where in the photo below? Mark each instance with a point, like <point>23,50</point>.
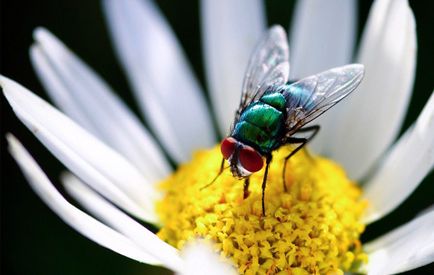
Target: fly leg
<point>314,131</point>
<point>246,188</point>
<point>264,182</point>
<point>216,177</point>
<point>301,141</point>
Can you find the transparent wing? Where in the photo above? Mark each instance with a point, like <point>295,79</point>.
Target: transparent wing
<point>267,66</point>
<point>312,96</point>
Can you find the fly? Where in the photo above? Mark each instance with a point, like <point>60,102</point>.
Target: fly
<point>272,109</point>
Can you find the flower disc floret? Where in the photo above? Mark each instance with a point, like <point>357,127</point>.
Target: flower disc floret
<point>313,227</point>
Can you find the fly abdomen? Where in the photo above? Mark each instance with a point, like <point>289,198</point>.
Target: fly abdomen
<point>275,99</point>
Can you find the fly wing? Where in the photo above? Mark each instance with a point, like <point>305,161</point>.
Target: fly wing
<point>268,65</point>
<point>312,96</point>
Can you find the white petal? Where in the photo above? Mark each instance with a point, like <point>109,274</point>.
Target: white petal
<point>407,247</point>
<point>80,221</point>
<point>230,31</point>
<point>115,218</point>
<point>86,98</point>
<point>163,81</point>
<point>322,36</point>
<point>403,168</point>
<point>199,259</point>
<point>107,171</point>
<point>372,116</point>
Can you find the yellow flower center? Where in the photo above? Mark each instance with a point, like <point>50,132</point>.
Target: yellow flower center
<point>314,227</point>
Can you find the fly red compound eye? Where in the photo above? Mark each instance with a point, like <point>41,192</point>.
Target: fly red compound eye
<point>227,147</point>
<point>250,159</point>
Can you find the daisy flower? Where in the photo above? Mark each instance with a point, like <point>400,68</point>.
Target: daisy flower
<point>120,176</point>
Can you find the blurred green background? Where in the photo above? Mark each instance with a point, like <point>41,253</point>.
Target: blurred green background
<point>33,239</point>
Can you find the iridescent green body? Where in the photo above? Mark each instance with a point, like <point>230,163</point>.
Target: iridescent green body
<point>262,123</point>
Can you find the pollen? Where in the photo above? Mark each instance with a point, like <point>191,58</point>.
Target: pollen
<point>311,228</point>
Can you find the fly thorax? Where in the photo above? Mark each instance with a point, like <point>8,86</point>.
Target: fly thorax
<point>259,125</point>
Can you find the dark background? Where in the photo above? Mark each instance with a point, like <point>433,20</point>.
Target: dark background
<point>33,239</point>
